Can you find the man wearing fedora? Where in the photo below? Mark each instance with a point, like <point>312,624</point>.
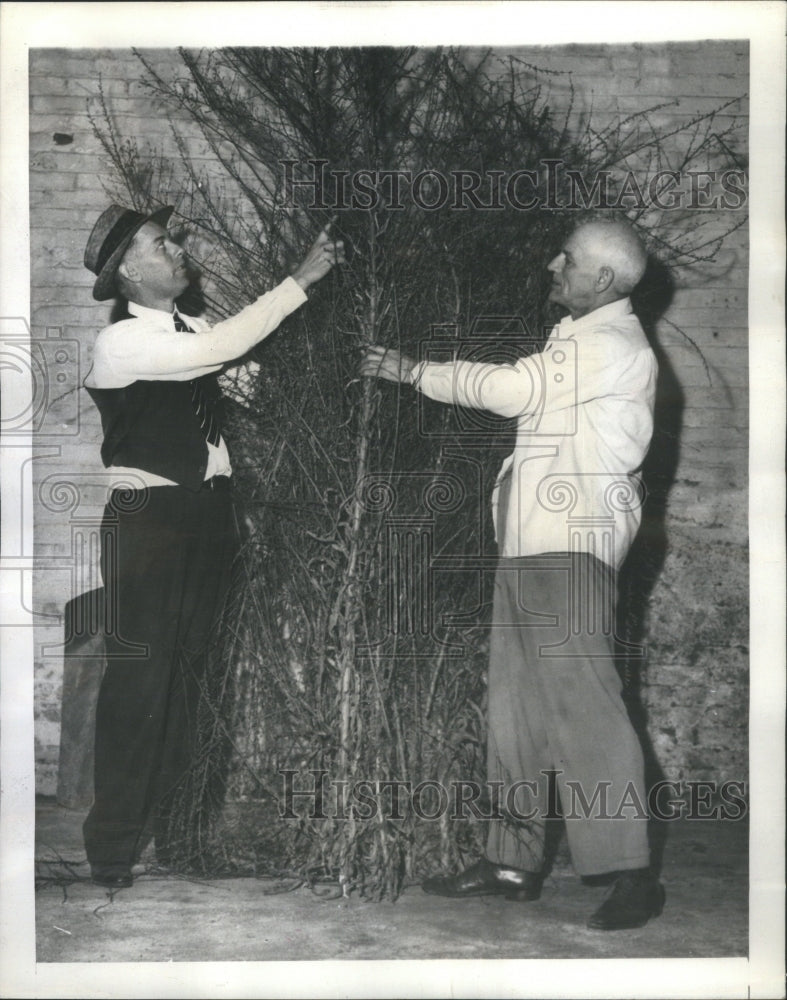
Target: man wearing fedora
<point>168,536</point>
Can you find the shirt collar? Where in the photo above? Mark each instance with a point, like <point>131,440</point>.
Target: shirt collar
<point>612,310</point>
<point>145,312</point>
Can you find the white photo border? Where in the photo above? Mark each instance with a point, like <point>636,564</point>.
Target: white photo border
<point>84,25</point>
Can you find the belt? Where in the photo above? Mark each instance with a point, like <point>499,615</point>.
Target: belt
<point>217,483</point>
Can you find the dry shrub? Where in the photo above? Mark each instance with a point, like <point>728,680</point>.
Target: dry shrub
<point>354,645</point>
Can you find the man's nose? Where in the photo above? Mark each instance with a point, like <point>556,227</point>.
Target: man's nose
<point>556,263</point>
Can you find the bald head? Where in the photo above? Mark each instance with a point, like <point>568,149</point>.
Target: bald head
<point>615,244</point>
<point>600,262</point>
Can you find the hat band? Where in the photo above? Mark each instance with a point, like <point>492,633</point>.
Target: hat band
<point>125,224</point>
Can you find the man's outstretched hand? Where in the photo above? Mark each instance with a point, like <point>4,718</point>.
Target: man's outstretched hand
<point>322,256</point>
<point>387,363</point>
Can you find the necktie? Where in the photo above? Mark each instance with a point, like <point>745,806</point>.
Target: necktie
<point>203,406</point>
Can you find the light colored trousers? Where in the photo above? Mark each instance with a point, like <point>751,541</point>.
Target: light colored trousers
<point>555,705</point>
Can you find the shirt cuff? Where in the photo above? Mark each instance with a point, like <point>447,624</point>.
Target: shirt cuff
<point>293,291</point>
<point>415,374</point>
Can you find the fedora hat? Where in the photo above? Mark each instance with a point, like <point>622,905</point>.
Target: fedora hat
<point>111,237</point>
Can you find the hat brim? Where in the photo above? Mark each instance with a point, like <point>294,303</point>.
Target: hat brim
<point>104,287</point>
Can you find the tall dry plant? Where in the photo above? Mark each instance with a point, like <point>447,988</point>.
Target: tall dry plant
<point>354,648</point>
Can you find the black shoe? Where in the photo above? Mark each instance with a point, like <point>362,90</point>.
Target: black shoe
<point>112,877</point>
<point>635,898</point>
<point>486,879</point>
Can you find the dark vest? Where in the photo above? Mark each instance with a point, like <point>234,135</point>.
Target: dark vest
<point>152,426</point>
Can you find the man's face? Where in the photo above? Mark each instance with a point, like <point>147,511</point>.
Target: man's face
<point>157,264</point>
<point>575,272</point>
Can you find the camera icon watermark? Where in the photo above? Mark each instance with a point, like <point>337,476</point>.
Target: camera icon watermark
<point>41,379</point>
<point>40,413</point>
<point>500,371</point>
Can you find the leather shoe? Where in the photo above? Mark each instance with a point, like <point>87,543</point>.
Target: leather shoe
<point>486,879</point>
<point>118,877</point>
<point>635,898</point>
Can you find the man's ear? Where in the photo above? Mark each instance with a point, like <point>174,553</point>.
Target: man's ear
<point>129,270</point>
<point>605,279</point>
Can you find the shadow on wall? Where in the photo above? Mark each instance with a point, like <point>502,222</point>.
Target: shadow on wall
<point>651,299</point>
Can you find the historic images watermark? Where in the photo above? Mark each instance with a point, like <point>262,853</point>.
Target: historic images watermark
<point>545,797</point>
<point>551,184</point>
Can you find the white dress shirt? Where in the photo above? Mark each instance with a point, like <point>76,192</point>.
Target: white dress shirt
<point>149,347</point>
<point>584,411</point>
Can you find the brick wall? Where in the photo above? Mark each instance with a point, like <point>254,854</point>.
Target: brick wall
<point>69,172</point>
<point>695,682</point>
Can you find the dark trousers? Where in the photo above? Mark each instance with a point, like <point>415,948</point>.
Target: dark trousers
<point>166,557</point>
<point>555,706</point>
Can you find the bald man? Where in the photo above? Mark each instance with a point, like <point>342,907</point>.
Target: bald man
<point>566,508</point>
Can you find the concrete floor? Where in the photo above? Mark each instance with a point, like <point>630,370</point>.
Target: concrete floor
<point>164,919</point>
